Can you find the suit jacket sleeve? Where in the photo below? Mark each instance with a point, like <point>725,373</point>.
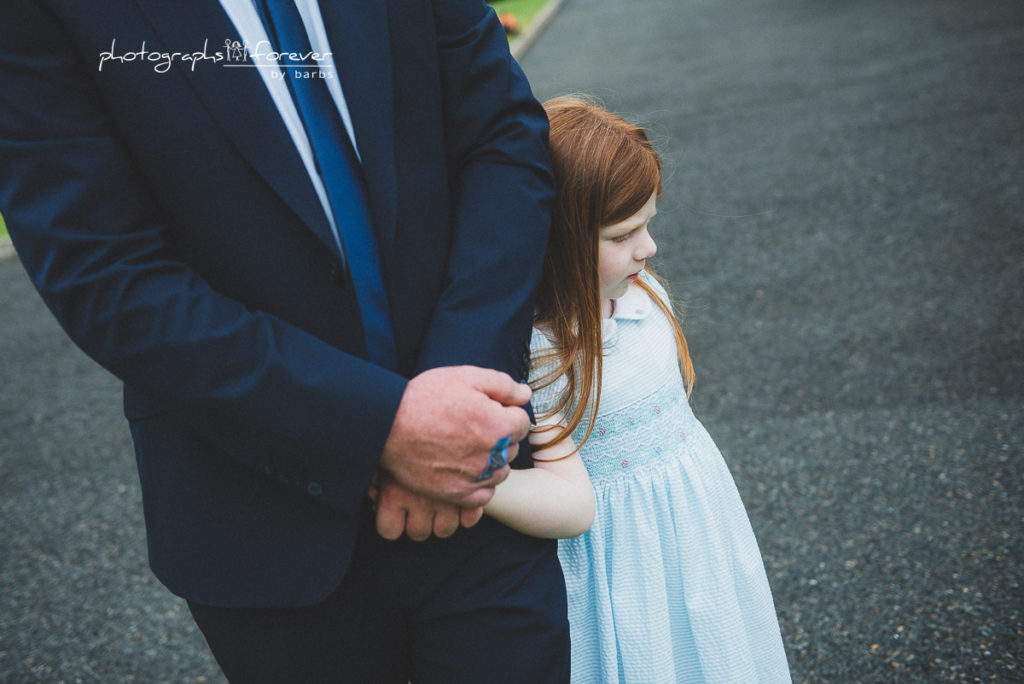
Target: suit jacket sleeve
<point>502,190</point>
<point>92,235</point>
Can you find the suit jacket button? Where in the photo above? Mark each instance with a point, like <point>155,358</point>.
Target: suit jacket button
<point>314,489</point>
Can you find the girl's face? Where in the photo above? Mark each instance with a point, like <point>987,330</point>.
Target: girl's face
<point>623,249</point>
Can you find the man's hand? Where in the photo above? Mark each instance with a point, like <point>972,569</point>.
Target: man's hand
<point>400,510</point>
<point>447,423</point>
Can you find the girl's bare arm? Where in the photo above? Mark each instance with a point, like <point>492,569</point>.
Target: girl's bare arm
<point>554,499</point>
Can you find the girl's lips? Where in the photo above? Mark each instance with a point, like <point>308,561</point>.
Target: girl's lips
<point>633,277</point>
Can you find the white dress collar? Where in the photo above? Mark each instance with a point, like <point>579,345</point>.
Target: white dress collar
<point>632,306</point>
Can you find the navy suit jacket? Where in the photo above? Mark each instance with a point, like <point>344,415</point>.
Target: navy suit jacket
<point>164,215</point>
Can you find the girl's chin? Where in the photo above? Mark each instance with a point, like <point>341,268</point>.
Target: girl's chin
<point>620,291</point>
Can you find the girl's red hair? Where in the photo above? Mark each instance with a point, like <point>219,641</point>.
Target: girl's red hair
<point>605,171</point>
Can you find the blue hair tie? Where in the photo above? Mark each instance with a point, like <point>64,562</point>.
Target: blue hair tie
<point>499,459</point>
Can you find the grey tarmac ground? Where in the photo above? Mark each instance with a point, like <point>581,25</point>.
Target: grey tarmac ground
<point>843,219</point>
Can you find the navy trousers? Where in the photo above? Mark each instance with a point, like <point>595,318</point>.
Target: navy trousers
<point>487,605</point>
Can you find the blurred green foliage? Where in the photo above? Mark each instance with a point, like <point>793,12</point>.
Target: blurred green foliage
<point>523,10</point>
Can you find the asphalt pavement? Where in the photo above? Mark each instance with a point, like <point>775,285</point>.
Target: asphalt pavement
<point>843,220</point>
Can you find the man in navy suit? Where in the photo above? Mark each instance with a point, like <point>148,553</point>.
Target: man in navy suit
<point>161,195</point>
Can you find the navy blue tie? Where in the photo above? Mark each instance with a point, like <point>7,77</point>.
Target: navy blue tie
<point>341,174</point>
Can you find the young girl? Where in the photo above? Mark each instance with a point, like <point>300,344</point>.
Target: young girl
<point>668,584</point>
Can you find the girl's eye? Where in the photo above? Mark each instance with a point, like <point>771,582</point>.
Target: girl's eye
<point>623,238</point>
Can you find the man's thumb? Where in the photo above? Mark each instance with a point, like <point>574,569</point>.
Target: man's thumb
<point>501,387</point>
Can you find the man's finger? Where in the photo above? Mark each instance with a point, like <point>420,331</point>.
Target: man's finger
<point>419,523</point>
<point>499,386</point>
<point>390,522</point>
<point>479,497</point>
<point>470,516</point>
<point>513,451</point>
<point>446,521</point>
<point>519,420</point>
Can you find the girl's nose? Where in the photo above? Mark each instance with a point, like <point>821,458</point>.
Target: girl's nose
<point>647,247</point>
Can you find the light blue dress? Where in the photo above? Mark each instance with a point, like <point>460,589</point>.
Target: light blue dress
<point>668,585</point>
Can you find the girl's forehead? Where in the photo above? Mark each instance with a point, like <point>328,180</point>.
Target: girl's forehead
<point>646,213</point>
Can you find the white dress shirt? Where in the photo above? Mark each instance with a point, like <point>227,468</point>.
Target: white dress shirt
<point>245,17</point>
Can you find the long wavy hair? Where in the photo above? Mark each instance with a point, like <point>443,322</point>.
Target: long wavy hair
<point>605,172</point>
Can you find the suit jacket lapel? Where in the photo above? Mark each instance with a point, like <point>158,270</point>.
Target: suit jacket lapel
<point>358,33</point>
<point>238,100</point>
